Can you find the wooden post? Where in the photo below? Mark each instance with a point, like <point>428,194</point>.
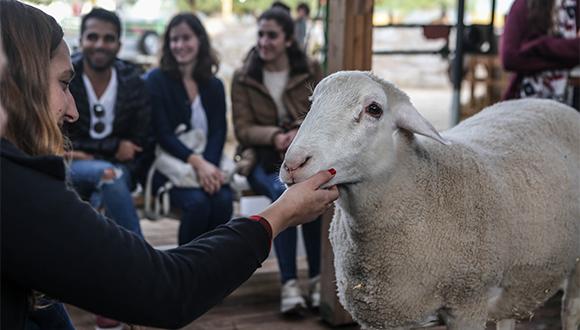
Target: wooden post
<point>331,311</point>
<point>350,35</point>
<point>350,32</point>
<point>227,8</point>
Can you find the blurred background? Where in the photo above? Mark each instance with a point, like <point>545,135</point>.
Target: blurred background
<point>231,24</point>
<point>413,42</point>
<point>415,57</point>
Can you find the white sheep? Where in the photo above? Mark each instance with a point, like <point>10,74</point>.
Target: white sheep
<point>481,223</point>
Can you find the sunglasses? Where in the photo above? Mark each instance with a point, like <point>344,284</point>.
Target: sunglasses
<point>268,34</point>
<point>99,112</point>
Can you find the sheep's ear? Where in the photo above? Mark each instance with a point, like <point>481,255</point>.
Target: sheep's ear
<point>408,118</point>
<point>405,115</point>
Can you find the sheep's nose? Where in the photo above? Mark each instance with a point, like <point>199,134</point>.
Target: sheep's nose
<point>294,163</point>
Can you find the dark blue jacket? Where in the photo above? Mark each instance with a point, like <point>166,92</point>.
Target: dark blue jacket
<point>171,107</point>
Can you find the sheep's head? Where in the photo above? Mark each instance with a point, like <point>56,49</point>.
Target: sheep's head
<point>350,128</point>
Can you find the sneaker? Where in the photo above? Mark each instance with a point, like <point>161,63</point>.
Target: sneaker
<point>104,323</point>
<point>314,292</point>
<point>291,298</point>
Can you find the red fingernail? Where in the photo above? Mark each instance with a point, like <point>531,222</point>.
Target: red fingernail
<point>332,171</point>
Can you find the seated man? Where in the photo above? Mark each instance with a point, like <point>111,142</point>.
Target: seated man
<point>114,119</point>
<point>113,125</point>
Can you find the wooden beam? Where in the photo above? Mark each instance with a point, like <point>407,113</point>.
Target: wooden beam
<point>331,311</point>
<point>336,31</point>
<point>350,38</point>
<point>350,31</point>
<point>227,9</point>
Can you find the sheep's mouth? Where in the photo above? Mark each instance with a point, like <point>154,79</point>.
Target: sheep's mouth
<point>341,184</point>
<point>290,184</point>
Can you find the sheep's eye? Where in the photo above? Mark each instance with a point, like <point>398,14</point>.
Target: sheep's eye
<point>374,110</point>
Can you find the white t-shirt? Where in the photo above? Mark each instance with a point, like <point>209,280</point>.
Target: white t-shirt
<point>198,116</point>
<point>275,82</point>
<point>108,101</point>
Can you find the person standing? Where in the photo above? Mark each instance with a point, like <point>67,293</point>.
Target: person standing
<point>185,93</point>
<point>270,96</point>
<point>540,44</point>
<point>301,25</point>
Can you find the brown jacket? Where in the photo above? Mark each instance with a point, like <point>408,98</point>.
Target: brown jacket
<point>254,111</point>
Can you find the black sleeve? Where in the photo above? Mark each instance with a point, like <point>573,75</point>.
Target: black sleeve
<point>141,117</point>
<point>218,126</point>
<point>106,146</point>
<point>54,243</point>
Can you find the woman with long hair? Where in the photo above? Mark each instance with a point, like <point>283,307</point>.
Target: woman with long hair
<point>270,96</point>
<point>55,244</point>
<point>185,93</point>
<point>540,44</point>
<point>36,131</point>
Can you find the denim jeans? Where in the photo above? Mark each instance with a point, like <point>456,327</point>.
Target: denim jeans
<point>114,195</point>
<point>269,184</point>
<point>54,317</point>
<point>200,211</point>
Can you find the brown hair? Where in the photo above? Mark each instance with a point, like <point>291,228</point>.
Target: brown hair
<point>207,63</point>
<point>30,38</point>
<point>541,15</point>
<point>296,57</point>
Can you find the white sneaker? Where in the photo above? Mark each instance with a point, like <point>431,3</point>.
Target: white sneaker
<point>314,291</point>
<point>291,298</point>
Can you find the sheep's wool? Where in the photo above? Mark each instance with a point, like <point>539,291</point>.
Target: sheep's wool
<point>498,207</point>
<point>484,227</point>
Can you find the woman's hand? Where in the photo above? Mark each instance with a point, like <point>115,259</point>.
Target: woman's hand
<point>283,140</point>
<point>290,135</point>
<point>127,151</point>
<point>280,141</point>
<point>301,203</point>
<point>210,177</point>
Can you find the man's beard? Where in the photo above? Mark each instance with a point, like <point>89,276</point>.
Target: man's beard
<point>100,67</point>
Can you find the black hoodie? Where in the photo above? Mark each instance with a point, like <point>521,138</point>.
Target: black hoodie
<point>54,243</point>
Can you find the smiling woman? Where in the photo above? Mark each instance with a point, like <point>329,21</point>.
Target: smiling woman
<point>185,93</point>
<point>60,100</point>
<point>270,96</point>
<point>54,243</point>
<point>30,109</point>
